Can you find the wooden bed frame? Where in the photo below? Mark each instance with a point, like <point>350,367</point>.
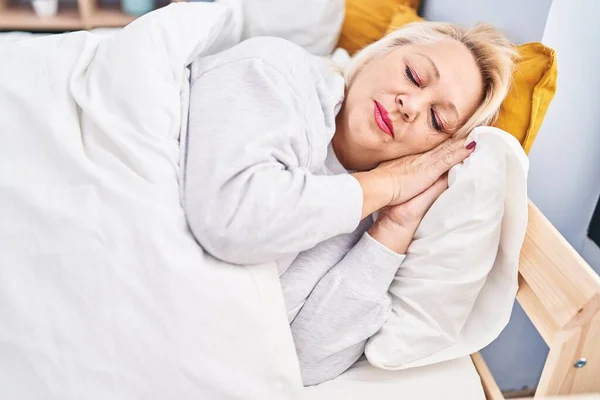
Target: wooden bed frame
<point>560,293</point>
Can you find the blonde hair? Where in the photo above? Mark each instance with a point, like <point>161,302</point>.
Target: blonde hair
<point>494,54</point>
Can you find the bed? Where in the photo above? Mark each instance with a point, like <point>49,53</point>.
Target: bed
<point>558,290</point>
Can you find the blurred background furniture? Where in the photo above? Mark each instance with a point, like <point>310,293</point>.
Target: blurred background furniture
<point>71,16</point>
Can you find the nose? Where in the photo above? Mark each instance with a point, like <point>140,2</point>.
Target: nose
<point>410,106</point>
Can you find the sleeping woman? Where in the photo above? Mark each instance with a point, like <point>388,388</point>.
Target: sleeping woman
<point>287,160</point>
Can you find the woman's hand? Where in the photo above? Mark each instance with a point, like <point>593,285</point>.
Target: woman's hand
<point>397,181</point>
<point>396,225</point>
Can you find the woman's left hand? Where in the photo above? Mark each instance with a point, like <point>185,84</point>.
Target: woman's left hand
<point>396,225</point>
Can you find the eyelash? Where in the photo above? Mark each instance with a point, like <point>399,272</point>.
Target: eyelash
<point>411,76</point>
<point>434,121</point>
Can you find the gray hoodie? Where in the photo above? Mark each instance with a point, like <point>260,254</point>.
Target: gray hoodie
<point>261,183</point>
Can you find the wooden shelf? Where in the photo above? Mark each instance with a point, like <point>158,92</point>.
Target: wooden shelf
<point>83,14</point>
<point>24,18</point>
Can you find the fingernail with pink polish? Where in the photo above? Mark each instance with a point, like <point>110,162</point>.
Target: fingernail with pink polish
<point>471,145</point>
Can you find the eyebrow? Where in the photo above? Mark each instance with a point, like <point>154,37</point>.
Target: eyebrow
<point>436,72</point>
<point>433,66</point>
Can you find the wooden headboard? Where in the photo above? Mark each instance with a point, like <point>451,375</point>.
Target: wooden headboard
<point>560,293</point>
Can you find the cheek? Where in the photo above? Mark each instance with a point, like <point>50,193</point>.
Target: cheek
<point>417,143</point>
<point>432,141</point>
<point>372,81</point>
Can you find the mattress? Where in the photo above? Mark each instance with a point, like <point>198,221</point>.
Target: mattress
<point>455,379</point>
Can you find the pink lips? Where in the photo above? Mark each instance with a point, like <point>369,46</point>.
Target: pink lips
<point>382,119</point>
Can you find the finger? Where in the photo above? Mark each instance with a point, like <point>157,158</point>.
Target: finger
<point>435,191</point>
<point>450,154</point>
<point>446,146</point>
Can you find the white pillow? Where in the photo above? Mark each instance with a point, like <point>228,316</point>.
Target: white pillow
<point>455,290</point>
<point>312,24</point>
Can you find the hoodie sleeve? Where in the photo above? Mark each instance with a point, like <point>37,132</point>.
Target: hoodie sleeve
<point>348,305</point>
<point>249,196</point>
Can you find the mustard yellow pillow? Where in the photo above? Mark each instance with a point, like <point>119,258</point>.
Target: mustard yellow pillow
<point>404,15</point>
<point>534,85</point>
<point>368,20</point>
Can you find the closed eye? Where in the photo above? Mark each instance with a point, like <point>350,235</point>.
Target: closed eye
<point>434,121</point>
<point>411,76</point>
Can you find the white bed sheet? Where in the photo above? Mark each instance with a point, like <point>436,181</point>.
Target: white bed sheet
<point>455,379</point>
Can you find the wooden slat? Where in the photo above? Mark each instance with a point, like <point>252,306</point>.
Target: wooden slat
<point>560,293</point>
<point>86,9</point>
<point>560,375</point>
<point>558,370</point>
<point>537,313</point>
<point>587,379</point>
<point>556,283</point>
<point>490,387</point>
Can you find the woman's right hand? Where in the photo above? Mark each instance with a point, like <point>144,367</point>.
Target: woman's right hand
<point>396,225</point>
<point>397,181</point>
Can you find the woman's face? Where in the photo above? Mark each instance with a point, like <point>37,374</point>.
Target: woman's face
<point>406,102</point>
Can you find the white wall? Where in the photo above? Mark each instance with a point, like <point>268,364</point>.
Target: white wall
<point>564,180</point>
<point>522,20</point>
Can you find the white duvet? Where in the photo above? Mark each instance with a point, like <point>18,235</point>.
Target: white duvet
<point>104,294</point>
